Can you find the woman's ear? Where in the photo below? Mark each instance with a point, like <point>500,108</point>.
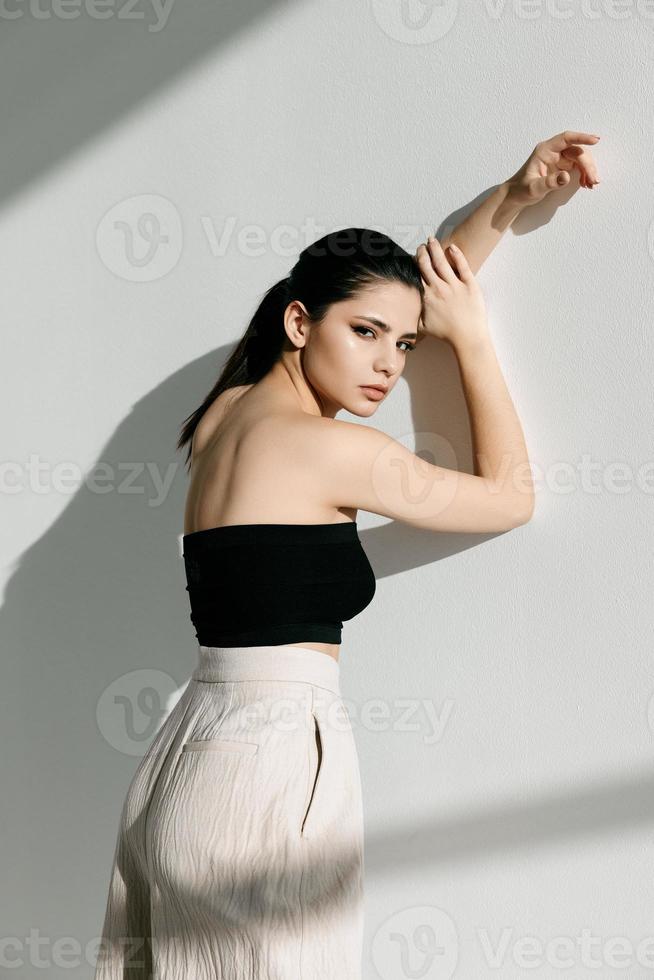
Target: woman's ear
<point>296,320</point>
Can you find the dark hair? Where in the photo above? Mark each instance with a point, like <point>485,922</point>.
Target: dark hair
<point>330,270</point>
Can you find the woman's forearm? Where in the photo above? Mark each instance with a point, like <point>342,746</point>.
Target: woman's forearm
<point>499,450</point>
<point>479,233</point>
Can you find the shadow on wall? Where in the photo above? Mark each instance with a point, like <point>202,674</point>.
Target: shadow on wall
<point>102,594</point>
<point>97,66</point>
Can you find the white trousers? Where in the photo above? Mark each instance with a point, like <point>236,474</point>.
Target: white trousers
<point>240,846</point>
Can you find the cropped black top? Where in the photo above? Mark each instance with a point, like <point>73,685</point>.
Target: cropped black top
<point>267,584</point>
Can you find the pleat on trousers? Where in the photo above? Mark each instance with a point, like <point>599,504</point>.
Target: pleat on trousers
<point>239,853</point>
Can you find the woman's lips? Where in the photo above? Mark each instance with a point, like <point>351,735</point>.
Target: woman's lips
<point>373,393</point>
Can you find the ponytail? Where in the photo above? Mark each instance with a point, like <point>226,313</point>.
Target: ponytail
<point>331,270</point>
<point>253,356</point>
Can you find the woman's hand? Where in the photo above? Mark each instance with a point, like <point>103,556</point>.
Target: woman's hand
<point>549,167</point>
<point>453,307</point>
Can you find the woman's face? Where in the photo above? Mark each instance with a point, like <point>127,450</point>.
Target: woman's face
<point>352,348</point>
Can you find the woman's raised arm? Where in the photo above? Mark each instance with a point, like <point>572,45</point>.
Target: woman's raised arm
<point>546,169</point>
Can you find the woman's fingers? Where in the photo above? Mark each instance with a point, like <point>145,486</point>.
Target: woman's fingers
<point>550,163</point>
<point>423,258</point>
<point>439,260</point>
<point>576,157</point>
<point>582,159</point>
<point>435,267</point>
<point>567,159</point>
<point>431,258</point>
<point>462,265</point>
<point>567,138</point>
<point>564,144</point>
<point>562,152</point>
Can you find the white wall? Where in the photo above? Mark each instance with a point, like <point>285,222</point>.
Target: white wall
<point>529,812</point>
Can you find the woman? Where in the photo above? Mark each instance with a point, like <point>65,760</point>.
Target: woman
<point>240,850</point>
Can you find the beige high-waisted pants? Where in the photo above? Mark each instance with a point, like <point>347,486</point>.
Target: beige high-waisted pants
<point>240,847</point>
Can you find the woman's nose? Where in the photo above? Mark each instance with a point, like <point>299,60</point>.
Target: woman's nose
<point>387,363</point>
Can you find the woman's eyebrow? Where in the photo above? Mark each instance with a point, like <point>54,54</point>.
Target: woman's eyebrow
<point>383,326</point>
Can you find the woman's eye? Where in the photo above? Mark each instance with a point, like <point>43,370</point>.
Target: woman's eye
<point>370,330</point>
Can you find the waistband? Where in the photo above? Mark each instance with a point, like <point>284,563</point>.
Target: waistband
<point>268,663</point>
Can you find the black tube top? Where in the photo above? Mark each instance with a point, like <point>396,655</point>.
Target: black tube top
<point>267,584</point>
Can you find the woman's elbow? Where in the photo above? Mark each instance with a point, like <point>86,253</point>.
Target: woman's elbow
<point>525,511</point>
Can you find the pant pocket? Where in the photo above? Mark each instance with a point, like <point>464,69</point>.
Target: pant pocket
<point>220,745</point>
<point>316,777</point>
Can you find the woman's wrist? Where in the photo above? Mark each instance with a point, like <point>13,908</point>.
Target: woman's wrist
<point>510,205</point>
<point>475,346</point>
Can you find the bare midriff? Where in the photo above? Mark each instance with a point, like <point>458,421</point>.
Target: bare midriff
<point>332,649</point>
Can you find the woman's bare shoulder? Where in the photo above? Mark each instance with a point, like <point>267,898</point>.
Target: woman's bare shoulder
<point>317,433</point>
<point>208,424</point>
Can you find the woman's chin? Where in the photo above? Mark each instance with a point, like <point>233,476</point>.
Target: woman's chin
<point>363,411</point>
